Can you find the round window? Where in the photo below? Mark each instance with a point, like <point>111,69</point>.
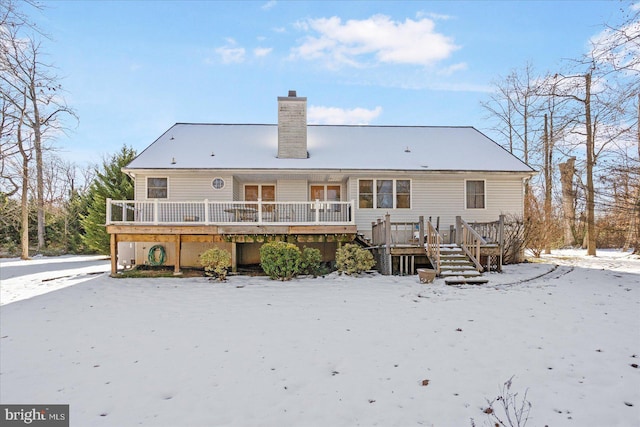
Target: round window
<point>218,183</point>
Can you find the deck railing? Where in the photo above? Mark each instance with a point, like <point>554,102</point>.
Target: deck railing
<point>432,244</point>
<point>384,232</point>
<point>206,212</point>
<point>471,242</point>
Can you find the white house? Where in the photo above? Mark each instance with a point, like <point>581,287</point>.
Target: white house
<point>239,185</point>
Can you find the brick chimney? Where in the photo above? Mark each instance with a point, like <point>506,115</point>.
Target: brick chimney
<point>292,127</point>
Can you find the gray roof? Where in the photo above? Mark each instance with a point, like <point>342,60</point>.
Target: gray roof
<point>251,146</point>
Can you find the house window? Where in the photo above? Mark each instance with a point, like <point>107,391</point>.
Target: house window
<point>266,193</point>
<point>475,195</point>
<point>217,184</point>
<point>365,193</point>
<point>325,193</point>
<point>403,194</point>
<point>384,193</point>
<point>157,188</point>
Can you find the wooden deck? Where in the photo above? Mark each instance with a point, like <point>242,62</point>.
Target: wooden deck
<point>177,235</point>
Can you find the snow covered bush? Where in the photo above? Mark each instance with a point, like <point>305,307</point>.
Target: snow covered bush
<point>216,261</point>
<point>352,259</point>
<point>311,262</point>
<point>280,260</point>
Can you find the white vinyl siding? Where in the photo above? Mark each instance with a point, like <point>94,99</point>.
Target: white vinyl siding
<point>432,194</point>
<point>188,187</point>
<point>443,196</point>
<point>291,190</point>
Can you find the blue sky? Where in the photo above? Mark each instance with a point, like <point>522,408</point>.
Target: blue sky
<point>131,69</point>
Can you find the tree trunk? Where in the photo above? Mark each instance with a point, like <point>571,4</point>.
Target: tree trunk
<point>37,144</point>
<point>591,225</point>
<point>24,204</point>
<point>567,170</point>
<point>548,186</point>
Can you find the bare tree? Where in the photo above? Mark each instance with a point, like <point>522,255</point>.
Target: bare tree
<point>32,87</point>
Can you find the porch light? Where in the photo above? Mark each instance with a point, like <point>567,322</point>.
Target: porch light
<point>406,150</point>
<point>173,160</point>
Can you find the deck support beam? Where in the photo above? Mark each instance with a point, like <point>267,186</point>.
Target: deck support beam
<point>178,247</point>
<point>114,254</point>
<point>234,257</point>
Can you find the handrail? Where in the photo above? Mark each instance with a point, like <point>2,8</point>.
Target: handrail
<point>434,241</point>
<point>206,212</point>
<point>471,242</point>
<point>384,232</point>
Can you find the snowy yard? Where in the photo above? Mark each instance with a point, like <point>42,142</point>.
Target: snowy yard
<point>333,351</point>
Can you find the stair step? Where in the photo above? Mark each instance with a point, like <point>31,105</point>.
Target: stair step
<point>450,249</point>
<point>457,267</point>
<point>466,281</point>
<point>463,273</point>
<point>455,259</point>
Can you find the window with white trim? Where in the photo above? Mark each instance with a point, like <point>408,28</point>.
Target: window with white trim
<point>157,188</point>
<point>325,192</point>
<point>475,194</point>
<point>384,194</point>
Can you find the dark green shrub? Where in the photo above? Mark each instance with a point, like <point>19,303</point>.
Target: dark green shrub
<point>216,261</point>
<point>280,260</point>
<point>311,262</point>
<point>352,259</point>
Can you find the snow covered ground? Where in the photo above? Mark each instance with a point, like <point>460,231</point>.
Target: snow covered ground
<point>333,351</point>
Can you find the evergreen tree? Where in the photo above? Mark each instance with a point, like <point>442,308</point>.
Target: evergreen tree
<point>111,183</point>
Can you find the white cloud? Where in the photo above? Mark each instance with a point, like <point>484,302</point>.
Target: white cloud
<point>340,116</point>
<point>377,39</point>
<point>269,5</point>
<point>231,53</point>
<point>435,16</point>
<point>262,51</point>
<point>447,71</point>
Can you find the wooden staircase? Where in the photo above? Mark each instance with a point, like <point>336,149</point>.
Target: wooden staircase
<point>457,268</point>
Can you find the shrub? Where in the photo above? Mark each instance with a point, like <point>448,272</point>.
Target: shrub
<point>352,259</point>
<point>216,261</point>
<point>280,260</point>
<point>510,411</point>
<point>311,262</point>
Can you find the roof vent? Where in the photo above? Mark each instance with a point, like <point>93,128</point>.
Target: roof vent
<point>292,94</point>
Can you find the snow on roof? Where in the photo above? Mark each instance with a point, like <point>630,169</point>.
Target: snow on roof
<point>251,146</point>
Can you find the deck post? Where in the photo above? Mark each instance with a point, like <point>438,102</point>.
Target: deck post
<point>206,212</point>
<point>458,230</point>
<point>234,257</point>
<point>108,221</point>
<point>114,254</point>
<point>387,243</point>
<point>500,240</point>
<point>421,230</point>
<point>178,246</point>
<point>155,212</point>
